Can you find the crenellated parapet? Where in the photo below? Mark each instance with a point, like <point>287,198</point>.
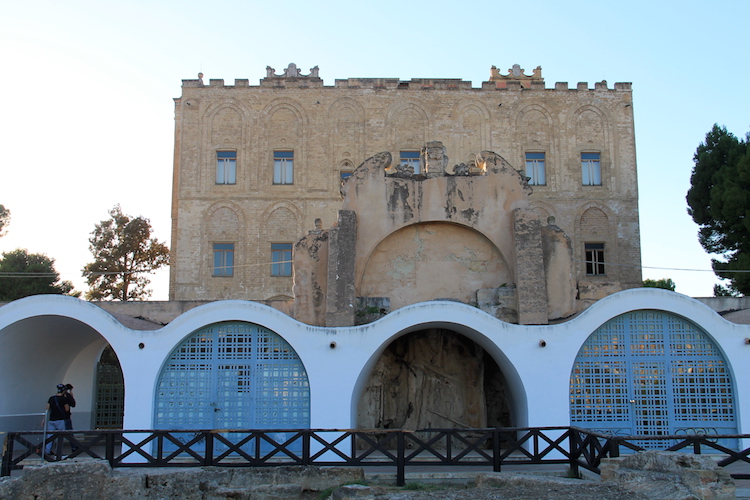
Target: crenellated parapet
<point>413,84</point>
<point>516,79</point>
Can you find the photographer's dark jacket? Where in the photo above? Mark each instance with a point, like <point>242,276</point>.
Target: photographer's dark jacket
<point>57,407</point>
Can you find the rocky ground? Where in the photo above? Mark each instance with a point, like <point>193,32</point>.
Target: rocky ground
<point>531,489</point>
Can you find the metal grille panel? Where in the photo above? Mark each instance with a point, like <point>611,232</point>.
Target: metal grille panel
<point>110,396</point>
<point>233,375</point>
<point>654,374</point>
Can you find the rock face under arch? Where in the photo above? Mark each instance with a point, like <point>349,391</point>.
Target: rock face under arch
<point>429,379</point>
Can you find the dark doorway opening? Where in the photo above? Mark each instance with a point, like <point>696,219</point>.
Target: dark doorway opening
<point>435,378</point>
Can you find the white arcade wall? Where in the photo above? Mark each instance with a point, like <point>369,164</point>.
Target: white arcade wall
<point>45,340</point>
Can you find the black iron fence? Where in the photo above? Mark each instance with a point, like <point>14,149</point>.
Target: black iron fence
<point>495,447</point>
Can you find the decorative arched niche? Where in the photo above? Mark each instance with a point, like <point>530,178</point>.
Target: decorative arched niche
<point>433,260</point>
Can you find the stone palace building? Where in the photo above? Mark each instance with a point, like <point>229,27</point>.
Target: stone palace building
<point>383,253</point>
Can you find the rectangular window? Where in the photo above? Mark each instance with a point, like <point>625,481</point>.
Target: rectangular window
<point>223,259</point>
<point>283,167</point>
<point>410,159</point>
<point>535,169</point>
<point>591,169</point>
<point>226,167</point>
<point>281,259</point>
<point>594,259</point>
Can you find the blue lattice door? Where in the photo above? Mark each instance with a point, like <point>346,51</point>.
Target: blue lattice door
<point>650,373</point>
<point>233,375</point>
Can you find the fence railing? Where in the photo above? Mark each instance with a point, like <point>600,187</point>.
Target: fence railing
<point>495,447</point>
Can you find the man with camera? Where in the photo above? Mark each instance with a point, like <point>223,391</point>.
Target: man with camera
<point>68,393</point>
<point>58,411</point>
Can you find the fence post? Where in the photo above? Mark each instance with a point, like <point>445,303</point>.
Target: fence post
<point>8,455</point>
<point>574,440</point>
<point>208,459</point>
<point>614,447</point>
<point>109,448</point>
<point>306,447</point>
<point>496,460</point>
<point>400,459</point>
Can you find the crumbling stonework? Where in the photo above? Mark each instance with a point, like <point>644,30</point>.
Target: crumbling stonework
<point>501,302</point>
<point>531,284</point>
<point>433,237</point>
<point>76,480</point>
<point>664,475</point>
<point>559,271</point>
<point>311,278</point>
<point>341,299</point>
<point>467,234</point>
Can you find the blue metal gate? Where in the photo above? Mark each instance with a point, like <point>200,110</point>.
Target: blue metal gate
<point>233,375</point>
<point>650,373</point>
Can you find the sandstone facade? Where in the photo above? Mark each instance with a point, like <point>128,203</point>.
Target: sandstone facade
<point>256,166</point>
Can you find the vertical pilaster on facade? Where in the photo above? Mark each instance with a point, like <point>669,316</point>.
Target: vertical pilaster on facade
<point>341,300</point>
<point>531,284</point>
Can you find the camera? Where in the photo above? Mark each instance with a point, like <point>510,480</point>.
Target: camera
<point>68,387</point>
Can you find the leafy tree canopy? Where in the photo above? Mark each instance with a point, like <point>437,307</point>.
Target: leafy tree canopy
<point>124,253</point>
<point>4,219</point>
<point>665,283</point>
<point>719,203</point>
<point>23,274</point>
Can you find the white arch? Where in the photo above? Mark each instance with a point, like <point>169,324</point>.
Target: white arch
<point>46,338</point>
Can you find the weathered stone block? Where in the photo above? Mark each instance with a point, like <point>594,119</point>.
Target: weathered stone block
<point>667,475</point>
<point>311,278</point>
<point>61,480</point>
<point>341,296</point>
<point>90,479</point>
<point>558,270</point>
<point>530,279</point>
<point>357,491</point>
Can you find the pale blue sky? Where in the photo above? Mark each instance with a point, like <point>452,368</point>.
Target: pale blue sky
<point>88,117</point>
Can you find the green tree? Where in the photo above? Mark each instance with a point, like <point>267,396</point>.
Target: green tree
<point>23,274</point>
<point>726,291</point>
<point>665,283</point>
<point>4,219</point>
<point>124,254</point>
<point>718,202</point>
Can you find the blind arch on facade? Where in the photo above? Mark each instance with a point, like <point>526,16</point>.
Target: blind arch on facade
<point>651,373</point>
